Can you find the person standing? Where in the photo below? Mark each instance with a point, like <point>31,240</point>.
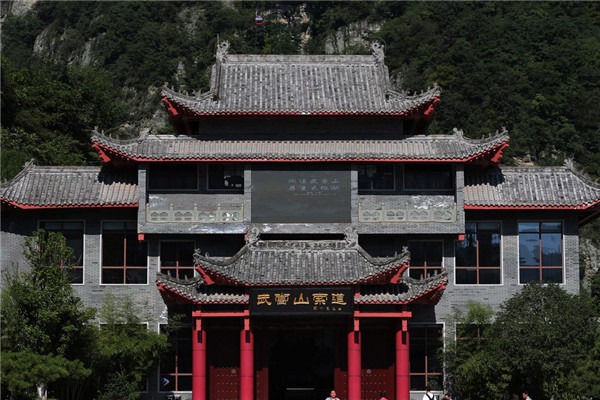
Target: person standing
<point>448,396</point>
<point>332,396</point>
<point>382,396</point>
<point>526,395</point>
<point>428,395</point>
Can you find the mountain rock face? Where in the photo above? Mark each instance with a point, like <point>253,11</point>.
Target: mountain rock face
<point>590,259</point>
<point>347,39</point>
<point>17,7</point>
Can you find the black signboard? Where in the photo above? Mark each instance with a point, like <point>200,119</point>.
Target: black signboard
<point>302,301</point>
<point>301,193</point>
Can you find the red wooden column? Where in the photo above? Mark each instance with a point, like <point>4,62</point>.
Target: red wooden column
<point>246,362</point>
<point>402,361</point>
<point>354,362</point>
<point>198,360</point>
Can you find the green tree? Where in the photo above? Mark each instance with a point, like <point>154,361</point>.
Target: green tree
<point>471,370</point>
<point>542,335</point>
<point>125,350</point>
<point>543,338</point>
<point>44,325</point>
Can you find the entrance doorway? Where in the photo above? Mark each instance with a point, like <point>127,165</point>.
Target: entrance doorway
<point>301,364</point>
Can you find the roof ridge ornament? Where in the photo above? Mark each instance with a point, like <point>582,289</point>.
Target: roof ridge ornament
<point>252,236</point>
<point>351,236</point>
<point>458,132</point>
<point>222,51</point>
<point>377,51</point>
<point>569,164</point>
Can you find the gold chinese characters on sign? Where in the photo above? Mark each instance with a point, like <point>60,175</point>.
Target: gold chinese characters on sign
<point>301,300</point>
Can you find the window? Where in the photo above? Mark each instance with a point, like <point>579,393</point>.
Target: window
<point>471,333</point>
<point>177,259</point>
<point>173,177</point>
<point>124,258</point>
<point>73,233</point>
<point>478,256</point>
<point>425,357</point>
<point>540,252</point>
<point>470,336</point>
<point>176,365</point>
<point>226,177</point>
<point>428,177</point>
<point>376,177</point>
<point>425,258</point>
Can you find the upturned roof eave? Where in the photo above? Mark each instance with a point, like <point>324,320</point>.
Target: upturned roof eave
<point>524,207</point>
<point>175,290</point>
<point>108,147</point>
<point>175,104</point>
<point>228,270</point>
<point>31,206</point>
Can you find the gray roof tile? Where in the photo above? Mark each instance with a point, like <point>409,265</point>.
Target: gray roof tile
<point>529,187</point>
<point>69,187</point>
<point>300,85</point>
<point>301,262</point>
<point>406,148</point>
<point>195,291</point>
<point>408,291</point>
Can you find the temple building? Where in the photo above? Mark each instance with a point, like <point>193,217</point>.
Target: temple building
<point>306,230</point>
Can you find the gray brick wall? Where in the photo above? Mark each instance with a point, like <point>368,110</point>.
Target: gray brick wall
<point>17,224</point>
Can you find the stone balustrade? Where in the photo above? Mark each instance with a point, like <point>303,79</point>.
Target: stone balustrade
<point>385,214</point>
<point>231,213</point>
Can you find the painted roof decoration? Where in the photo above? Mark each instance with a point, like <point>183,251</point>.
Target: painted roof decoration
<point>171,148</point>
<point>70,187</point>
<point>300,85</point>
<point>325,262</point>
<point>529,188</point>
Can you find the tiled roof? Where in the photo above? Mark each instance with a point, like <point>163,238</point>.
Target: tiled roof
<point>529,187</point>
<point>300,85</point>
<point>453,147</point>
<point>195,291</point>
<point>69,187</point>
<point>408,291</point>
<point>277,263</point>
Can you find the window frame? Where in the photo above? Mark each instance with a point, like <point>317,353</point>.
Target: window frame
<point>224,189</point>
<point>425,268</point>
<point>123,267</point>
<point>479,267</point>
<point>75,267</point>
<point>426,168</point>
<point>176,267</point>
<point>176,374</point>
<point>171,189</point>
<point>427,341</point>
<point>541,267</point>
<point>376,165</point>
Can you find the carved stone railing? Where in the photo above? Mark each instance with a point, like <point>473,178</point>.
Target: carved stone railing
<point>232,213</point>
<point>385,214</point>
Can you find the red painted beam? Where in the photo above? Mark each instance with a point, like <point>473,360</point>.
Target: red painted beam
<point>402,314</point>
<point>354,363</point>
<point>402,361</point>
<point>198,361</point>
<point>531,207</point>
<point>205,314</point>
<point>56,206</point>
<point>246,362</point>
